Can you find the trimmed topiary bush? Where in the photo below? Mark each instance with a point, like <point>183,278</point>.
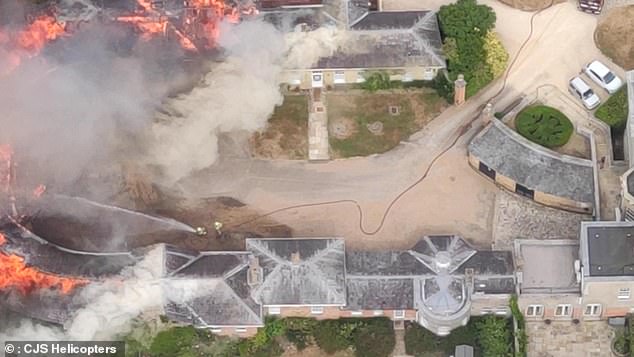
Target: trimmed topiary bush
<point>544,125</point>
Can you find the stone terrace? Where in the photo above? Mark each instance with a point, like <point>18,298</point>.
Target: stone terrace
<point>565,339</point>
<point>517,217</point>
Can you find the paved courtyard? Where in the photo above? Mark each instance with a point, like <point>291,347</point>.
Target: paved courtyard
<point>565,339</point>
<point>518,217</point>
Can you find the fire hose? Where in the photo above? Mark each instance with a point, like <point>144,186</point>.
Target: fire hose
<point>461,131</point>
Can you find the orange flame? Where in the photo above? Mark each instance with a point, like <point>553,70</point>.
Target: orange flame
<point>202,20</point>
<point>13,270</point>
<point>29,41</point>
<point>146,25</point>
<point>39,32</point>
<point>15,274</point>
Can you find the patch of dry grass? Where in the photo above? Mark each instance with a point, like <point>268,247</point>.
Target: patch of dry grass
<point>614,36</point>
<point>286,134</point>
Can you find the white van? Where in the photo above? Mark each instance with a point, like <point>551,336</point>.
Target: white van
<point>580,89</point>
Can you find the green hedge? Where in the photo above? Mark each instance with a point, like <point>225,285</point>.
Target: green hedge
<point>614,111</point>
<point>372,337</point>
<point>495,337</point>
<point>544,125</point>
<point>630,331</point>
<point>522,337</point>
<point>178,341</point>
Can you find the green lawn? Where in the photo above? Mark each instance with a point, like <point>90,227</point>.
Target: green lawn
<point>614,111</point>
<point>544,125</point>
<point>421,342</point>
<point>416,109</point>
<point>287,131</point>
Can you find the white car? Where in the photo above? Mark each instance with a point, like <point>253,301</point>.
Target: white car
<point>603,76</point>
<point>580,89</point>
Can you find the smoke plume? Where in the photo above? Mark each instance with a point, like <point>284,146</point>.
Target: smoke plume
<point>239,93</point>
<point>70,108</point>
<point>114,304</point>
<point>67,109</point>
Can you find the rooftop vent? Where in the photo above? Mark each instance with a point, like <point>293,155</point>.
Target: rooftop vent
<point>254,276</point>
<point>296,258</point>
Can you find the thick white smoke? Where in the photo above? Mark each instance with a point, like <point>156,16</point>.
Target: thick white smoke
<point>240,93</point>
<point>304,48</point>
<point>67,114</point>
<point>114,304</point>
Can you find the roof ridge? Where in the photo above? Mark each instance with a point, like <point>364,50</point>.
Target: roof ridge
<point>257,294</point>
<point>429,16</point>
<point>241,300</point>
<point>254,243</point>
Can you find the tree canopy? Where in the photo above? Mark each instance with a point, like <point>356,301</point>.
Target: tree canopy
<point>470,45</point>
<point>466,18</point>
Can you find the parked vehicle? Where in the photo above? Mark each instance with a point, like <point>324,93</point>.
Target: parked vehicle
<point>591,6</point>
<point>580,89</point>
<point>602,75</point>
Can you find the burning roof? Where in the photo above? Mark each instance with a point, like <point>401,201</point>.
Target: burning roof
<point>50,258</point>
<point>29,41</point>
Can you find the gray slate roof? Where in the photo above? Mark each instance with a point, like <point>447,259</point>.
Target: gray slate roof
<point>381,263</point>
<point>300,271</point>
<point>533,166</point>
<point>417,45</point>
<point>380,293</point>
<point>228,301</point>
<point>385,20</point>
<point>389,279</point>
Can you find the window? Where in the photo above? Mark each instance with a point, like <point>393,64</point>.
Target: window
<point>501,311</point>
<point>340,77</point>
<point>216,330</point>
<point>624,293</point>
<point>274,310</point>
<point>592,310</point>
<point>486,311</point>
<point>399,314</point>
<point>408,77</point>
<point>241,330</point>
<point>535,310</point>
<point>486,170</point>
<point>524,191</point>
<point>377,312</point>
<point>356,313</point>
<point>563,310</point>
<point>360,77</point>
<point>316,310</point>
<point>429,73</point>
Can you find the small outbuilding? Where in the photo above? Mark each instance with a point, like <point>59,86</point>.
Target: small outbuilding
<point>463,351</point>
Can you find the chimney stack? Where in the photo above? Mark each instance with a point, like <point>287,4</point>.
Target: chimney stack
<point>460,87</point>
<point>487,113</point>
<point>296,258</point>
